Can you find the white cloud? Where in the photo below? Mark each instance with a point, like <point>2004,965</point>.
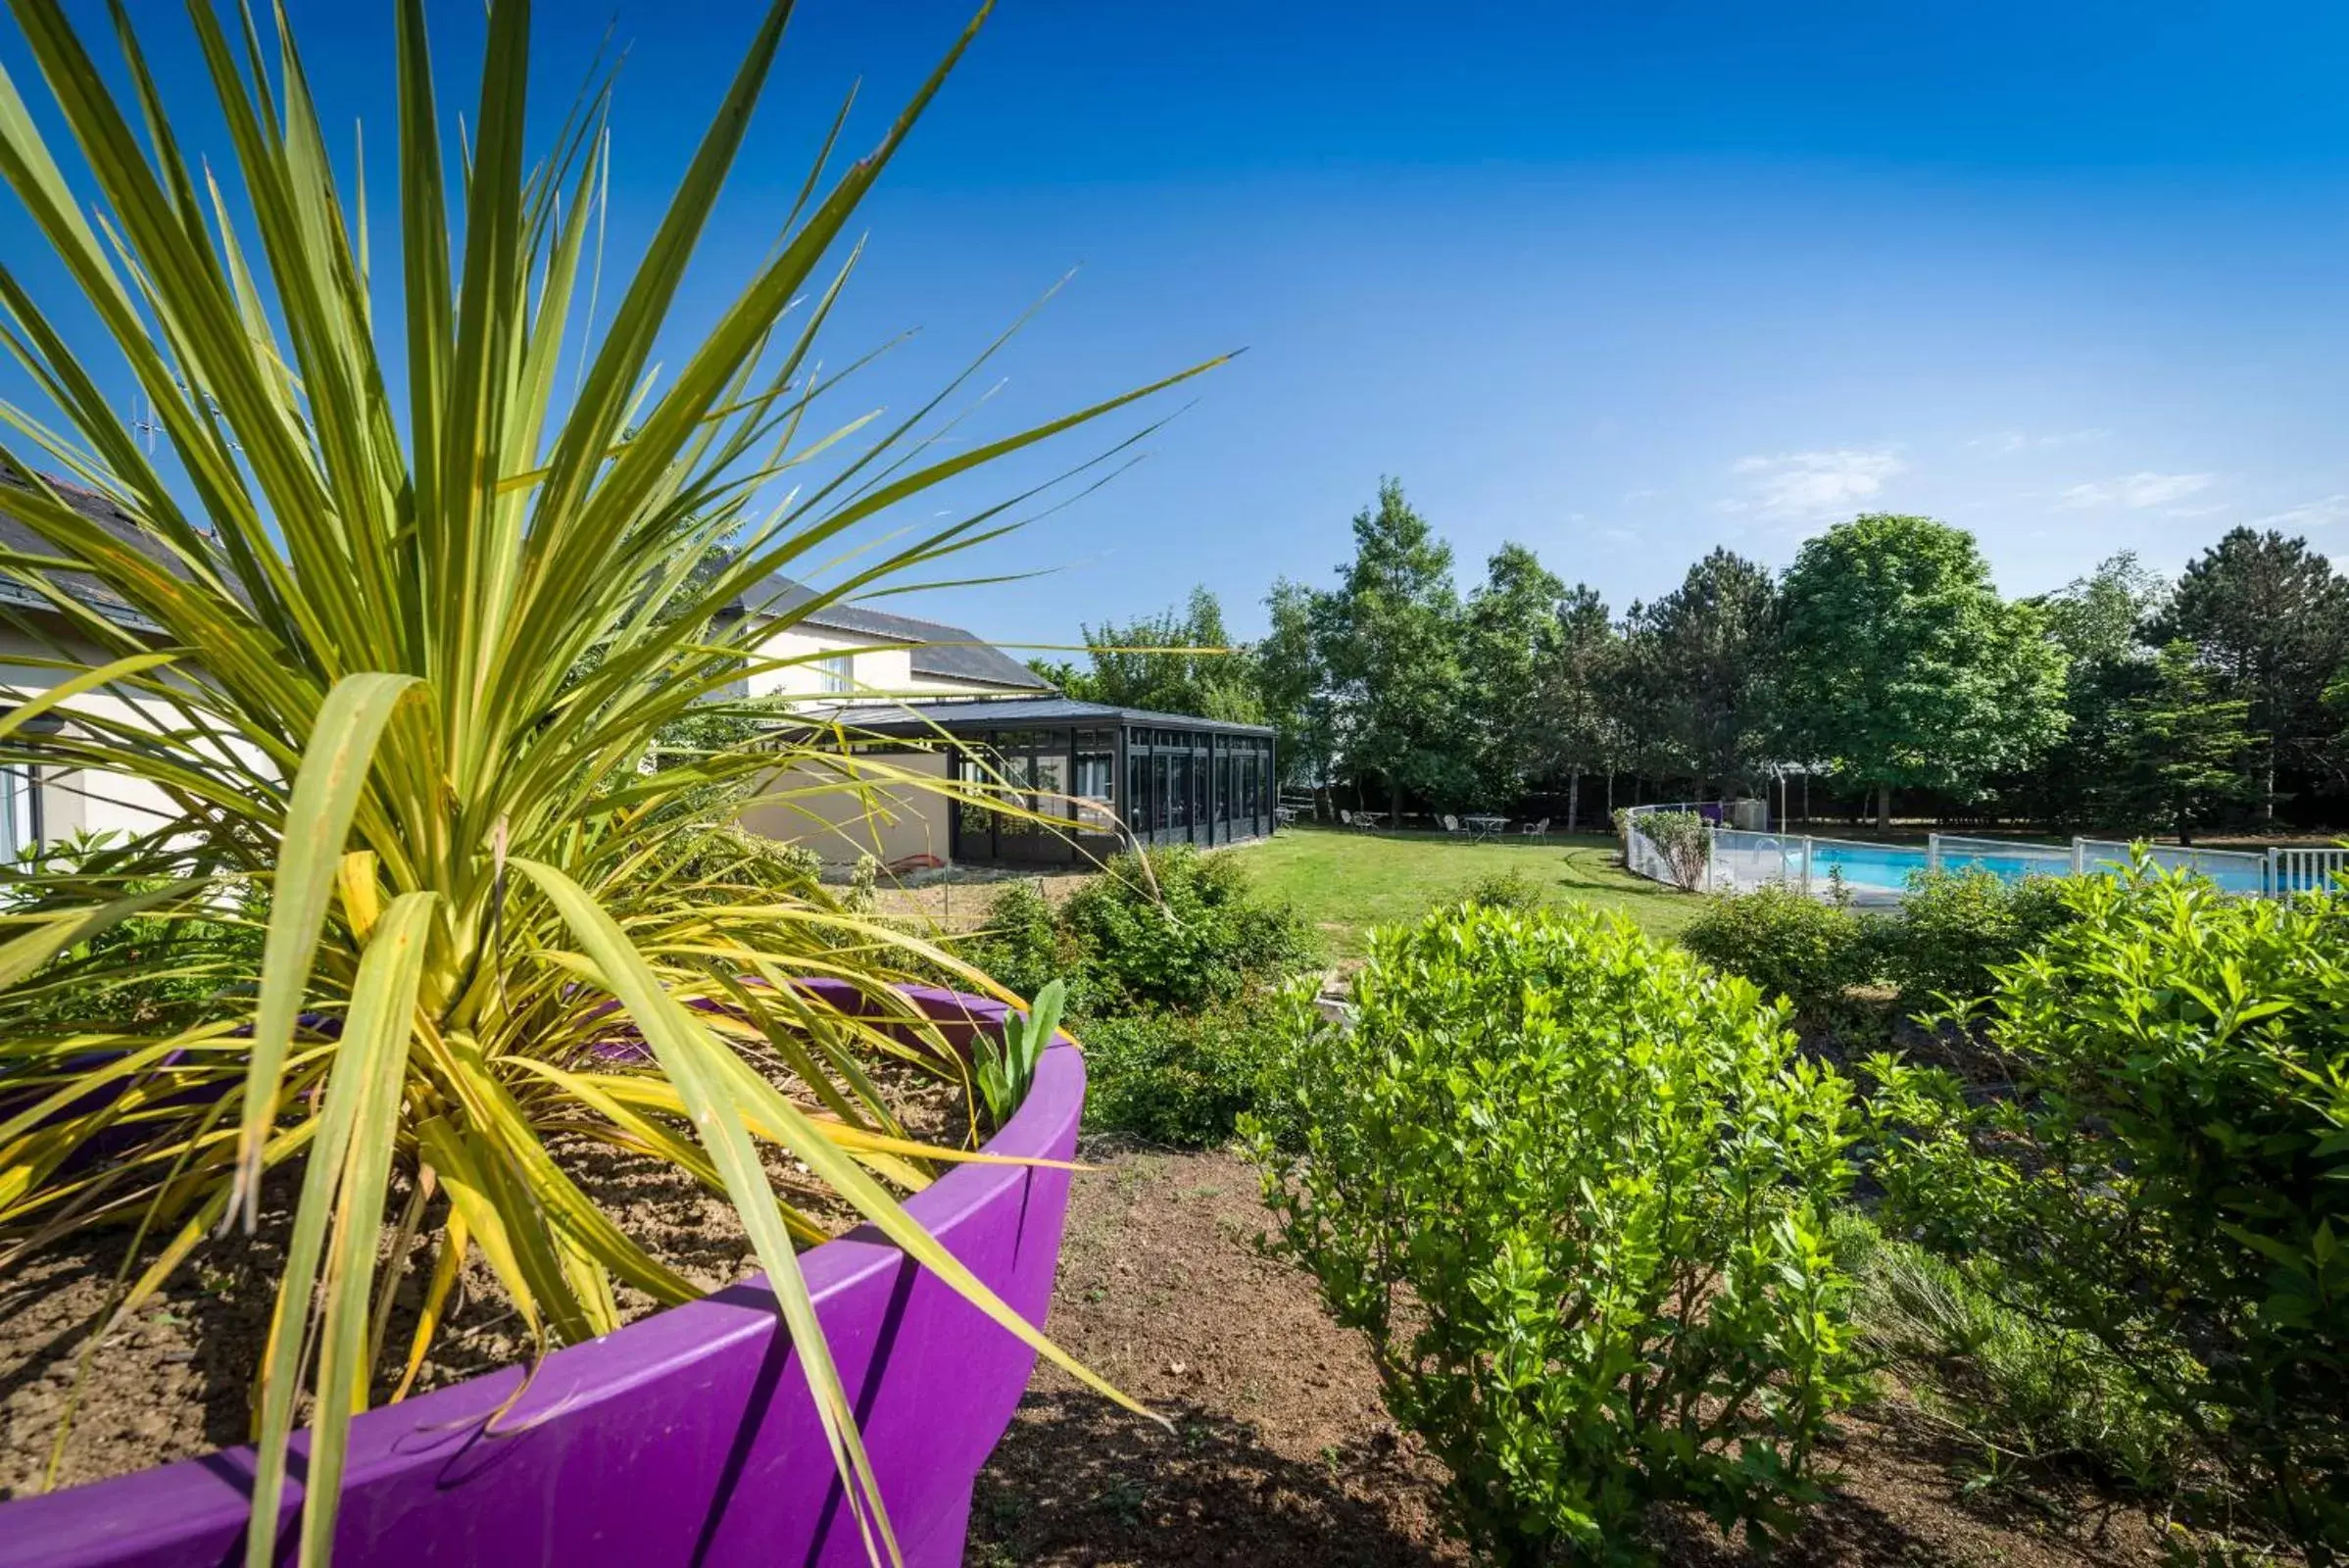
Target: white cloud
<point>2004,441</point>
<point>2308,514</point>
<point>1804,484</point>
<point>2137,491</point>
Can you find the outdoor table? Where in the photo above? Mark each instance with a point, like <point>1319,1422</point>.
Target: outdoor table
<point>1370,818</point>
<point>1485,827</point>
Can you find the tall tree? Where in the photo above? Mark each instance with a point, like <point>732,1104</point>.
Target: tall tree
<point>1510,660</point>
<point>1576,694</point>
<point>1714,649</point>
<point>2187,743</point>
<point>2098,624</point>
<point>2270,616</point>
<point>1292,684</point>
<point>1391,643</point>
<point>1173,662</point>
<point>1902,664</point>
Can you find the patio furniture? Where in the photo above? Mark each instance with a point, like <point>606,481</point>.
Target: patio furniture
<point>1452,824</point>
<point>1286,816</point>
<point>1484,826</point>
<point>1534,830</point>
<point>1368,821</point>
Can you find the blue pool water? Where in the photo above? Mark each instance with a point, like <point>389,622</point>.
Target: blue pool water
<point>1886,868</point>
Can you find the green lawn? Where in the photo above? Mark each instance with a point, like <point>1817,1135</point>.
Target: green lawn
<point>1347,882</point>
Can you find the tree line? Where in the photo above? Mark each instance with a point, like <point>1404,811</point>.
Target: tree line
<point>1883,663</point>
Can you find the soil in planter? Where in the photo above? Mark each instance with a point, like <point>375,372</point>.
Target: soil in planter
<point>176,1381</point>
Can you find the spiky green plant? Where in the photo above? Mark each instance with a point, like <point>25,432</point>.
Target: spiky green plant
<point>414,634</point>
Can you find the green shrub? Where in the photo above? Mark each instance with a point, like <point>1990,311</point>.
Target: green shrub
<point>2171,1176</point>
<point>163,971</point>
<point>1600,1177</point>
<point>1807,950</point>
<point>1022,946</point>
<point>2020,1389</point>
<point>1175,928</point>
<point>1181,1079</point>
<point>1505,890</point>
<point>1955,926</point>
<point>1683,838</point>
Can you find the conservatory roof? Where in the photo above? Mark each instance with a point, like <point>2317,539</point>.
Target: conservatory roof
<point>1012,712</point>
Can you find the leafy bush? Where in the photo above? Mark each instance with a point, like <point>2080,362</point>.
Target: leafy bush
<point>1955,926</point>
<point>1175,928</point>
<point>1600,1177</point>
<point>2171,1176</point>
<point>864,883</point>
<point>1505,890</point>
<point>1183,1079</point>
<point>1807,950</point>
<point>1020,943</point>
<point>171,971</point>
<point>2017,1387</point>
<point>1685,839</point>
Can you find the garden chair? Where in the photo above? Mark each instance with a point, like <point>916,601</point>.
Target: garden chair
<point>1452,824</point>
<point>1534,830</point>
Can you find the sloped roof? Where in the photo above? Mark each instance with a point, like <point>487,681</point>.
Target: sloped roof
<point>938,650</point>
<point>16,534</point>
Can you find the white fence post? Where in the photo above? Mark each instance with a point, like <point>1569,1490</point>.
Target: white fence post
<point>1808,849</point>
<point>1933,851</point>
<point>2079,855</point>
<point>2275,872</point>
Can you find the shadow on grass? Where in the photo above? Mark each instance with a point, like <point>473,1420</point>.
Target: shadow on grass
<point>1078,1481</point>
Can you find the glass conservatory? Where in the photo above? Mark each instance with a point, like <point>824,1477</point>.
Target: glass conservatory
<point>1087,768</point>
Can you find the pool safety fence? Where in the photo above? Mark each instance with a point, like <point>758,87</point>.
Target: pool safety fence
<point>1739,861</point>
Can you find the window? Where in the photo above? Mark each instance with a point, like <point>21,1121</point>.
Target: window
<point>20,818</point>
<point>1096,778</point>
<point>836,672</point>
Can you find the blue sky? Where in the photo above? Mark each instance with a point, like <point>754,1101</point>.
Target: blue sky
<point>1619,282</point>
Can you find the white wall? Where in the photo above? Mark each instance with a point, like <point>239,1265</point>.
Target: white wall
<point>878,670</point>
<point>841,813</point>
<point>82,799</point>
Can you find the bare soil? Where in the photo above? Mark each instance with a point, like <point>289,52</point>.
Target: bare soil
<point>176,1379</point>
<point>1283,1454</point>
<point>957,899</point>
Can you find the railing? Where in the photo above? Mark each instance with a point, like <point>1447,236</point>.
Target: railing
<point>1641,856</point>
<point>2291,871</point>
<point>2006,857</point>
<point>2239,871</point>
<point>1738,861</point>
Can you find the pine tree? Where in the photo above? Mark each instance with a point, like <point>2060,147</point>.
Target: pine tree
<point>2188,743</point>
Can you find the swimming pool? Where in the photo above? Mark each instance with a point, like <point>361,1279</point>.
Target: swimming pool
<point>1875,872</point>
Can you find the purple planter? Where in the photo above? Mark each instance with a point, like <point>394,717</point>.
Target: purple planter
<point>687,1437</point>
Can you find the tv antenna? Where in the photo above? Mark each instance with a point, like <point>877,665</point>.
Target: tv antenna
<point>142,419</point>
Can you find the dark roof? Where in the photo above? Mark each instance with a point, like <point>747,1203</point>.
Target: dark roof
<point>1009,713</point>
<point>16,534</point>
<point>939,651</point>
